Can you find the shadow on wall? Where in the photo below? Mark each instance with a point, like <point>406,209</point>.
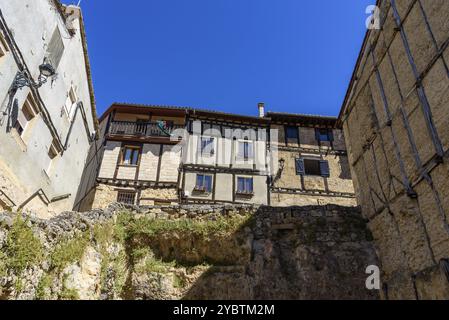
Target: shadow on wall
<point>345,170</point>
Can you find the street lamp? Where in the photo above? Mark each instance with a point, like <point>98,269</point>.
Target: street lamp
<point>281,164</point>
<point>22,79</point>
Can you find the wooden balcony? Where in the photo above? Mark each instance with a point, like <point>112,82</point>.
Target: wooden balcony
<point>141,130</point>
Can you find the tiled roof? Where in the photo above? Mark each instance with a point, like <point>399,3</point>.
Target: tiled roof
<point>299,115</point>
<point>189,109</point>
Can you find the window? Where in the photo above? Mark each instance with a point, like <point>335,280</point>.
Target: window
<point>292,133</point>
<point>130,155</point>
<point>312,167</point>
<point>203,183</point>
<point>244,185</point>
<point>246,150</point>
<point>207,146</point>
<point>324,135</point>
<point>55,49</point>
<point>25,116</point>
<point>70,102</point>
<point>52,154</point>
<point>126,197</point>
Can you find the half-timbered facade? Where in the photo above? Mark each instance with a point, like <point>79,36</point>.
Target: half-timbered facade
<point>312,166</point>
<point>225,159</point>
<point>166,155</point>
<point>140,158</point>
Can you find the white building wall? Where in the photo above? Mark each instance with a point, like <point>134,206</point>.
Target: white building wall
<point>32,24</point>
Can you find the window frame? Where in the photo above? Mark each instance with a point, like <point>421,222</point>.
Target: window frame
<point>203,187</point>
<point>248,153</point>
<point>31,109</point>
<point>135,155</point>
<point>72,97</point>
<point>202,147</point>
<point>52,149</point>
<point>246,191</point>
<point>125,193</point>
<point>290,129</point>
<point>323,166</point>
<point>55,49</point>
<point>328,135</point>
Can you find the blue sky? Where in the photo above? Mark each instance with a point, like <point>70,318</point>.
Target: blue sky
<point>296,56</point>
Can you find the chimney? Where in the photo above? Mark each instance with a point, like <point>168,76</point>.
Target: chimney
<point>261,110</point>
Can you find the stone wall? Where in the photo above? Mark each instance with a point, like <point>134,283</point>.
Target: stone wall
<point>103,195</point>
<point>395,121</point>
<point>189,252</point>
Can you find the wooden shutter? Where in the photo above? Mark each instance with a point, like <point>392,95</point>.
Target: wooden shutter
<point>55,49</point>
<point>324,168</point>
<point>300,167</point>
<point>14,115</point>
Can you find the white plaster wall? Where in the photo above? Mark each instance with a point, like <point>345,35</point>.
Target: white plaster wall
<point>223,188</point>
<point>33,23</point>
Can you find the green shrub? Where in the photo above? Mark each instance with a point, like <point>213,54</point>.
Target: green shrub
<point>3,270</point>
<point>219,225</point>
<point>178,282</point>
<point>69,251</point>
<point>23,249</point>
<point>69,294</point>
<point>45,282</point>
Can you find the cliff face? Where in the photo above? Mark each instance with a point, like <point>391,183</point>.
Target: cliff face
<point>187,252</point>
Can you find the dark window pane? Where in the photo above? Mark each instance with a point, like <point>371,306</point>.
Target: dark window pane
<point>240,184</point>
<point>135,159</point>
<point>323,135</point>
<point>292,133</point>
<point>131,156</point>
<point>208,183</point>
<point>312,167</point>
<point>249,185</point>
<point>199,180</point>
<point>127,156</point>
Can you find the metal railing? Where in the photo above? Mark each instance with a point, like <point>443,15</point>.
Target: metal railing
<point>143,129</point>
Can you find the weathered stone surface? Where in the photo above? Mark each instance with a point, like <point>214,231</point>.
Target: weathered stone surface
<point>400,183</point>
<point>195,252</point>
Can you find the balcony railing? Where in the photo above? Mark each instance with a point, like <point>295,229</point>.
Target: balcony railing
<point>142,129</point>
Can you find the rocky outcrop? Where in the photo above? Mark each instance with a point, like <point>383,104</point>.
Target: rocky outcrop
<point>188,252</point>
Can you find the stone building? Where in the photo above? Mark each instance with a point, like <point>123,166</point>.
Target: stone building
<point>396,122</point>
<point>167,155</point>
<point>137,160</point>
<point>47,107</point>
<point>313,165</point>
